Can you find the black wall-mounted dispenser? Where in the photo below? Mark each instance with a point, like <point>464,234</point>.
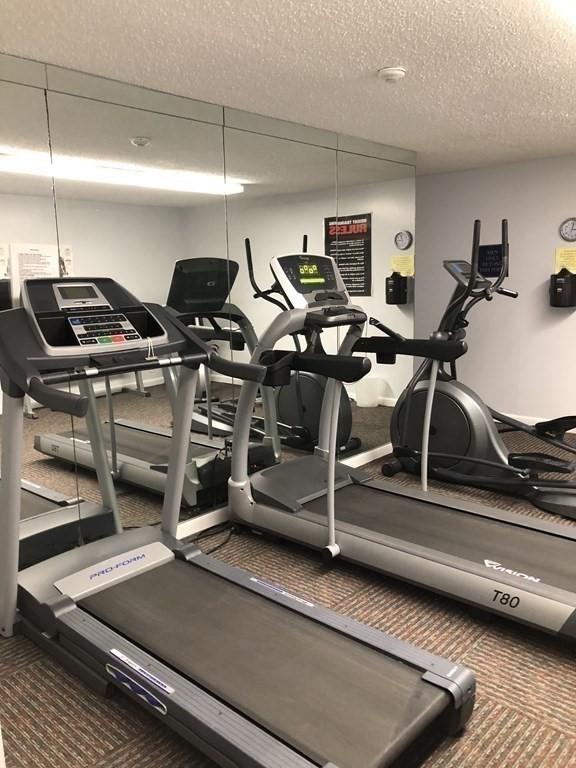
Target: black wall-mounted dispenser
<point>398,288</point>
<point>563,289</point>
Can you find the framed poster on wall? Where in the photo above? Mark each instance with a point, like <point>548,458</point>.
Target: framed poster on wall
<point>348,239</point>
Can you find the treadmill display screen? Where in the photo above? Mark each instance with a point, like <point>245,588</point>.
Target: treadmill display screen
<point>309,275</point>
<point>307,272</point>
<point>72,292</point>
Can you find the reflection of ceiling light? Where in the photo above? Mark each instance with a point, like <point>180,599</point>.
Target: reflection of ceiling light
<point>392,74</point>
<point>565,8</point>
<point>14,160</point>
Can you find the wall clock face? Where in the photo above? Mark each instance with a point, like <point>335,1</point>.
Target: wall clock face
<point>403,239</point>
<point>568,230</point>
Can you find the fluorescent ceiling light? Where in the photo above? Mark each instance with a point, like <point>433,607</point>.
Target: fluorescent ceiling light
<point>565,8</point>
<point>70,168</point>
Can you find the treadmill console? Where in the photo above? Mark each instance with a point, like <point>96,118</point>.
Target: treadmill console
<point>308,280</point>
<point>75,317</point>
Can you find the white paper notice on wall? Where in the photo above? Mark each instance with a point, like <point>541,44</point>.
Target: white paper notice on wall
<point>29,260</point>
<point>4,261</point>
<point>566,259</point>
<point>66,261</point>
<point>403,263</point>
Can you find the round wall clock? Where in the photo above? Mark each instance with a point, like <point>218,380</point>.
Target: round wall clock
<point>403,239</point>
<point>568,230</point>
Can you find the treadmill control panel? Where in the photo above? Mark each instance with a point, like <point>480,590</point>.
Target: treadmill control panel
<point>87,317</point>
<point>307,280</point>
<point>106,328</point>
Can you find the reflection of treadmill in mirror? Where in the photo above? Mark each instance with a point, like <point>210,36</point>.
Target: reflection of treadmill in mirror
<point>138,453</point>
<point>51,522</point>
<point>199,294</point>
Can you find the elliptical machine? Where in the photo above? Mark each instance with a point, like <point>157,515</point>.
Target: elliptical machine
<point>465,445</point>
<point>300,401</point>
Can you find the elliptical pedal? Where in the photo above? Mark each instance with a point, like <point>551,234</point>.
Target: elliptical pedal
<point>556,428</point>
<point>541,462</point>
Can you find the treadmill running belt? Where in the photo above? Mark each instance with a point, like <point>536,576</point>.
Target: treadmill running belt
<point>139,444</point>
<point>328,696</point>
<point>34,504</point>
<point>452,532</point>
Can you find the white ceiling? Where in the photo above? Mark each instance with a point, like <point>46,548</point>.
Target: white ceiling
<point>489,81</point>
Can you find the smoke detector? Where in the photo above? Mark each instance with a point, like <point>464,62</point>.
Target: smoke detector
<point>140,141</point>
<point>392,74</point>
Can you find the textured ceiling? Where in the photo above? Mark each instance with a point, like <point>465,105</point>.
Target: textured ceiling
<point>489,81</point>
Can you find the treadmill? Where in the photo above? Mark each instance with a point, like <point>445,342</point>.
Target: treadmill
<point>198,294</point>
<point>515,566</point>
<point>50,521</point>
<point>138,454</point>
<point>251,674</point>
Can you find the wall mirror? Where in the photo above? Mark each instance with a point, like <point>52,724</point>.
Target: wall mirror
<point>135,180</point>
<point>27,219</point>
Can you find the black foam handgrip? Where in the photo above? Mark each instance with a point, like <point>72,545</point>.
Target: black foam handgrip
<point>341,367</point>
<point>434,349</point>
<point>57,399</point>
<point>244,371</point>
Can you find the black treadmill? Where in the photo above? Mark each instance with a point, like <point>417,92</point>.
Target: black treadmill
<point>49,522</point>
<point>251,674</point>
<point>138,453</point>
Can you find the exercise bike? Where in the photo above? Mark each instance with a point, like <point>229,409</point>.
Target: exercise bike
<point>465,444</point>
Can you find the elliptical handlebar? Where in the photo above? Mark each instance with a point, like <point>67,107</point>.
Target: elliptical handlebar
<point>474,260</point>
<point>258,292</point>
<point>505,259</point>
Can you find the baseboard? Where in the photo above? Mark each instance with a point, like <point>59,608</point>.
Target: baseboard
<point>531,420</point>
<point>365,457</point>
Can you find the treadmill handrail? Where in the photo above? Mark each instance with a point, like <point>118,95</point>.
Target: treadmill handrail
<point>58,399</point>
<point>245,371</point>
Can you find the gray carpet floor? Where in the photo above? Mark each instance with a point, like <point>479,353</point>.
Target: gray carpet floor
<point>525,713</point>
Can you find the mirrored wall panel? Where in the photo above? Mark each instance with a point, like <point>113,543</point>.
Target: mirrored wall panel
<point>27,221</point>
<point>127,182</point>
<point>374,239</point>
<point>163,193</point>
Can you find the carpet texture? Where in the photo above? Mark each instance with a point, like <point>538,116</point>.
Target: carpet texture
<point>525,713</point>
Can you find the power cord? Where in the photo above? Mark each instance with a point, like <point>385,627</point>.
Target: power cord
<point>216,532</point>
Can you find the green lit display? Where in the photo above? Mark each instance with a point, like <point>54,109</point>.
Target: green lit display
<point>309,274</point>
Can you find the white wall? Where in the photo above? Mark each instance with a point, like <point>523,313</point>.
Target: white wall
<point>275,225</point>
<point>522,356</point>
<point>136,245</point>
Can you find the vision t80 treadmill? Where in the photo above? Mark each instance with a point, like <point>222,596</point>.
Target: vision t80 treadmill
<point>513,565</point>
<point>253,675</point>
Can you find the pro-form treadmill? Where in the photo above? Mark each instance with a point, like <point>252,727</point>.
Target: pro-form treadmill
<point>138,453</point>
<point>250,673</point>
<point>50,521</point>
<point>513,565</point>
